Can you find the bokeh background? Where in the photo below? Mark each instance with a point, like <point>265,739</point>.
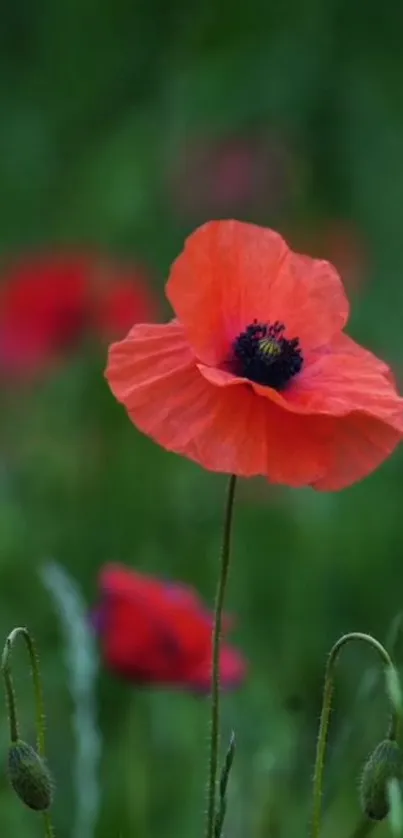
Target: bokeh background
<point>124,126</point>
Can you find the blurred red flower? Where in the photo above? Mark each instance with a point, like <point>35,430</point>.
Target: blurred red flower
<point>119,292</point>
<point>256,376</point>
<point>49,302</point>
<point>155,632</point>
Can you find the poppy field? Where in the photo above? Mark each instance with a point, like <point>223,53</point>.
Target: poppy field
<point>201,424</point>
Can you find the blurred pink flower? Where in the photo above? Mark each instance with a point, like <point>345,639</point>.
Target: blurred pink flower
<point>220,175</point>
<point>341,244</point>
<point>50,302</point>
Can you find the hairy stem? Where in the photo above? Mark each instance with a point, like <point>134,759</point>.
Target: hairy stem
<point>49,831</point>
<point>10,692</point>
<point>38,694</point>
<point>215,681</point>
<point>325,715</point>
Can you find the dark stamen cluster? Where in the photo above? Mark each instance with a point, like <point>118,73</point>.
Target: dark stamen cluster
<point>265,356</point>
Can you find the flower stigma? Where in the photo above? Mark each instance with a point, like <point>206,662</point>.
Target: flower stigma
<point>265,356</point>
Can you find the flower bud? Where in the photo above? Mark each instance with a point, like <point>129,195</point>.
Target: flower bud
<point>29,776</point>
<point>385,763</point>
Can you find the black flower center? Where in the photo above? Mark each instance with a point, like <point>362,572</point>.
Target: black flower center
<point>264,355</point>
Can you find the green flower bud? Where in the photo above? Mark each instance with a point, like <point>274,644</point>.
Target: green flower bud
<point>29,776</point>
<point>385,763</point>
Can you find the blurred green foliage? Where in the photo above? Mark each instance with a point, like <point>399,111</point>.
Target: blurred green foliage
<point>101,105</point>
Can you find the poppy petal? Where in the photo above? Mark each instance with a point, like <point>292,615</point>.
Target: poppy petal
<point>138,638</point>
<point>337,381</point>
<point>127,635</point>
<point>231,273</point>
<point>360,444</point>
<point>233,670</point>
<point>228,429</point>
<point>148,355</point>
<point>346,378</point>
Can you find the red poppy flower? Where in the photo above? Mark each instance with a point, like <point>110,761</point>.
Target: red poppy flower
<point>256,376</point>
<point>154,632</point>
<point>49,302</point>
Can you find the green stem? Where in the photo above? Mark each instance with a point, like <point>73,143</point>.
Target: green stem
<point>10,692</point>
<point>36,678</point>
<point>223,785</point>
<point>38,693</point>
<point>49,831</point>
<point>215,681</point>
<point>325,716</point>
